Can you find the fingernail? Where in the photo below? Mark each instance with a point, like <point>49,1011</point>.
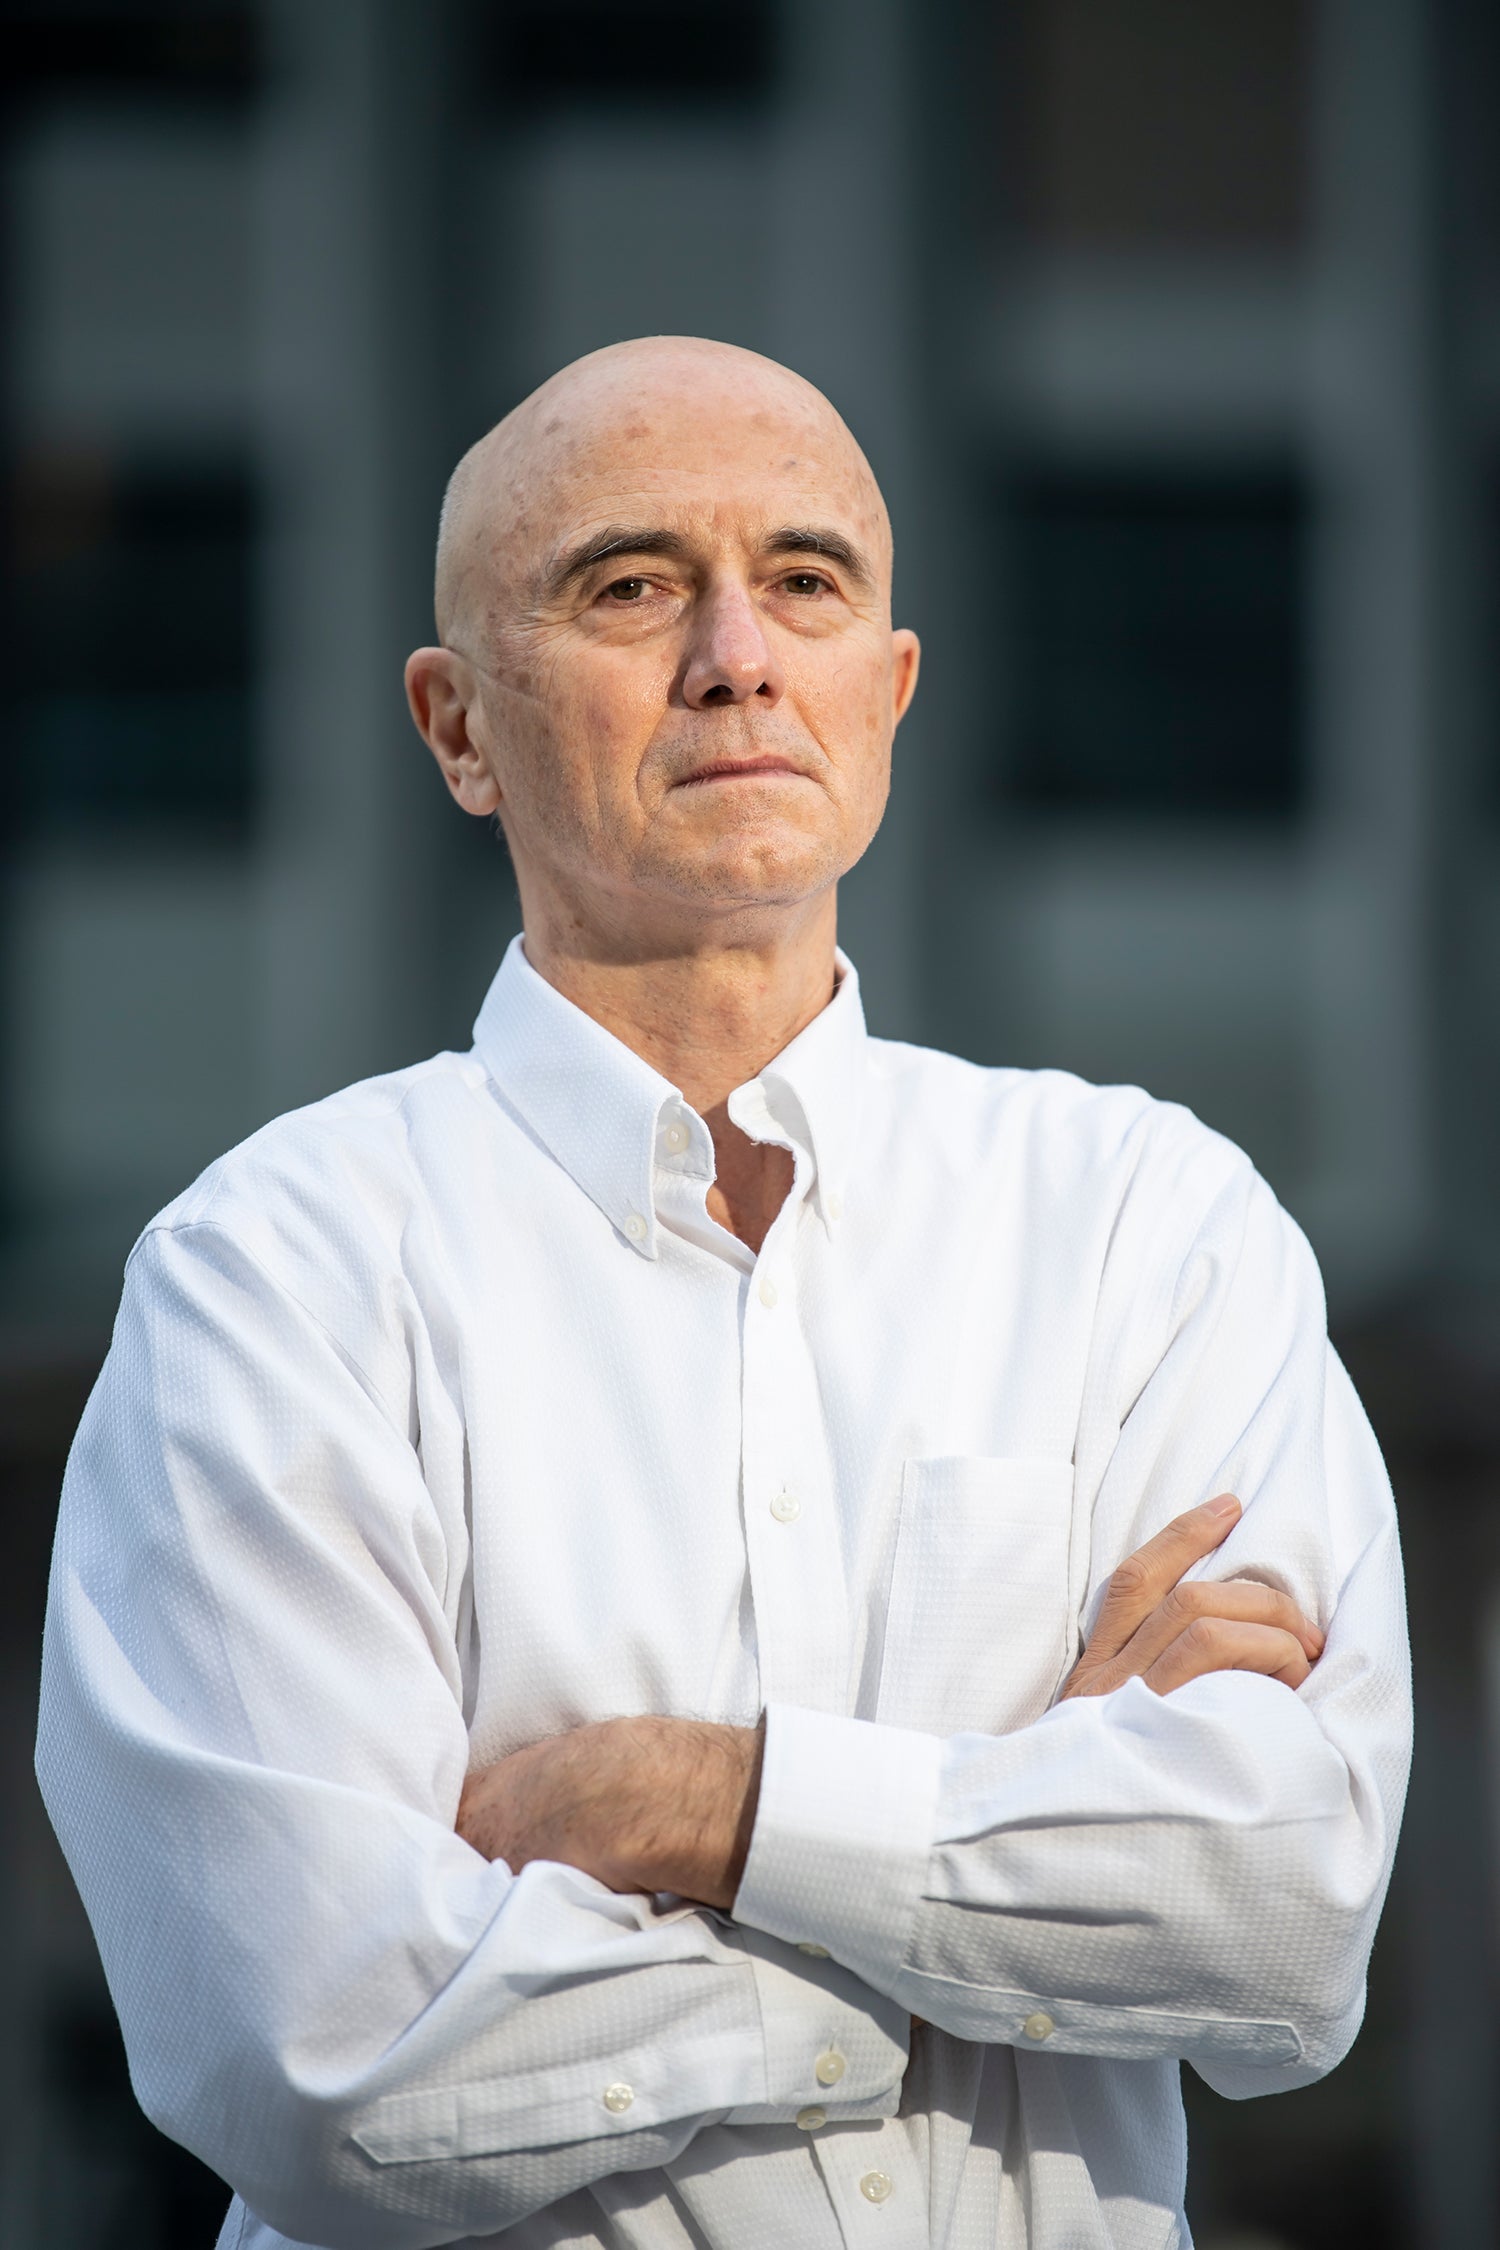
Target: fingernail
<point>1225,1505</point>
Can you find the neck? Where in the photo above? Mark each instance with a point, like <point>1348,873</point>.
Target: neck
<point>708,1015</point>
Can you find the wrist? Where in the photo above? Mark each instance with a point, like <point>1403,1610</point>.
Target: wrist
<point>699,1786</point>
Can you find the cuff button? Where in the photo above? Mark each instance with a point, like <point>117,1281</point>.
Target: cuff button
<point>1039,2026</point>
<point>809,2119</point>
<point>618,2097</point>
<point>829,2067</point>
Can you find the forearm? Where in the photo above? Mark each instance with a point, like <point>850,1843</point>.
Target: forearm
<point>373,2035</point>
<point>1139,1874</point>
<point>1194,1875</point>
<point>403,2046</point>
<point>644,1804</point>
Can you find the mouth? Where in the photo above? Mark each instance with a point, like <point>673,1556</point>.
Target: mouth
<point>742,769</point>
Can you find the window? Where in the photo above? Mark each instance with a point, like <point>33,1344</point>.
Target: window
<point>1157,643</point>
<point>195,53</point>
<point>132,613</point>
<point>716,51</point>
<point>1150,124</point>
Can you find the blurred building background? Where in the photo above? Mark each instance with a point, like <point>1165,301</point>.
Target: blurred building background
<point>1172,328</point>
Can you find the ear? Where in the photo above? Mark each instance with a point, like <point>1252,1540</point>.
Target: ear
<point>442,693</point>
<point>906,662</point>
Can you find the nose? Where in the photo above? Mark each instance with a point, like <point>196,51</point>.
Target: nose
<point>729,659</point>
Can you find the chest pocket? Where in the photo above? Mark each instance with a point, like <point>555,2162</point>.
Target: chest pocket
<point>976,1627</point>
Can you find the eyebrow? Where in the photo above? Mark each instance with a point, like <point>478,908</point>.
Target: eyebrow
<point>577,562</point>
<point>791,539</point>
<point>810,539</point>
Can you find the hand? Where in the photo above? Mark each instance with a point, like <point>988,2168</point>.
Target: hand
<point>1157,1626</point>
<point>644,1804</point>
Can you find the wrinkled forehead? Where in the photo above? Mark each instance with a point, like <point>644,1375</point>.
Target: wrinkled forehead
<point>690,459</point>
<point>671,437</point>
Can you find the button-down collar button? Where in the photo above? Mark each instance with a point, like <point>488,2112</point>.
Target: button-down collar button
<point>1039,2026</point>
<point>876,2186</point>
<point>829,2067</point>
<point>786,1507</point>
<point>767,1291</point>
<point>618,2097</point>
<point>817,1952</point>
<point>676,1136</point>
<point>834,1206</point>
<point>811,2118</point>
<point>635,1227</point>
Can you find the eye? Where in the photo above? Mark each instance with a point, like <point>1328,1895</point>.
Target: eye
<point>805,582</point>
<point>626,589</point>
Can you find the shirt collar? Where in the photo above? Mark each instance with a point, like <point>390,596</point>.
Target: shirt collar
<point>813,1089</point>
<point>596,1106</point>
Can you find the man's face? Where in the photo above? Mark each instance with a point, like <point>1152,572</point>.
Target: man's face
<point>684,680</point>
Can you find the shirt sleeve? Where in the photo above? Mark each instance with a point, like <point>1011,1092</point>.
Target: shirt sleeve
<point>1197,1874</point>
<point>252,1744</point>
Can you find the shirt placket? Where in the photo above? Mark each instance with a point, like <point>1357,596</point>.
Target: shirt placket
<point>791,1525</point>
<point>874,2185</point>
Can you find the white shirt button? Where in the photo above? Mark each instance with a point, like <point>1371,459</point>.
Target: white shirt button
<point>1039,2026</point>
<point>786,1507</point>
<point>618,2097</point>
<point>834,1206</point>
<point>829,2067</point>
<point>811,2118</point>
<point>635,1227</point>
<point>767,1291</point>
<point>676,1136</point>
<point>876,2186</point>
<point>818,1952</point>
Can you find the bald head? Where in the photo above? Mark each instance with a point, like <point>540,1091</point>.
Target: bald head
<point>667,660</point>
<point>612,433</point>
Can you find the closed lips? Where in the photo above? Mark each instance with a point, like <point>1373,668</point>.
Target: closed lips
<point>731,769</point>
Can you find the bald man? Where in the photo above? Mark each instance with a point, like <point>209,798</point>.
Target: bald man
<point>690,1630</point>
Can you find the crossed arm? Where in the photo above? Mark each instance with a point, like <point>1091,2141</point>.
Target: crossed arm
<point>658,1804</point>
<point>254,1742</point>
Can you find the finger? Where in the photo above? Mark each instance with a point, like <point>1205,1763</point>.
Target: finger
<point>1238,1600</point>
<point>1218,1644</point>
<point>1143,1578</point>
<point>1256,1604</point>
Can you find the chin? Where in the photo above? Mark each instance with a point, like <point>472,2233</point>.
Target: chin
<point>754,873</point>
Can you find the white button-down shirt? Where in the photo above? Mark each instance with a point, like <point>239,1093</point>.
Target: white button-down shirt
<point>441,1416</point>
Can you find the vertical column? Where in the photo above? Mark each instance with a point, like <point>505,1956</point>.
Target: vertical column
<point>1466,962</point>
<point>841,259</point>
<point>1392,659</point>
<point>1377,434</point>
<point>351,264</point>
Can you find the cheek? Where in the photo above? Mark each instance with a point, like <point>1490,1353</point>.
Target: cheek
<point>848,700</point>
<point>620,700</point>
<point>578,731</point>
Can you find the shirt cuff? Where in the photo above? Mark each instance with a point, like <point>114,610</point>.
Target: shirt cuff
<point>829,2042</point>
<point>842,1839</point>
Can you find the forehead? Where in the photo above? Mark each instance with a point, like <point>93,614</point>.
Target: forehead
<point>706,458</point>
